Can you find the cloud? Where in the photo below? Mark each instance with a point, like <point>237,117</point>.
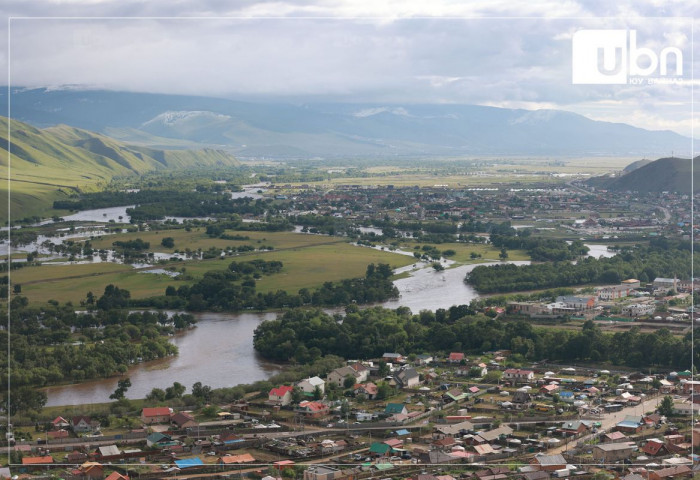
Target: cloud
<point>399,51</point>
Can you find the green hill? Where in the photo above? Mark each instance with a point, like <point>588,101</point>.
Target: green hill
<point>663,175</point>
<point>635,165</point>
<point>51,164</point>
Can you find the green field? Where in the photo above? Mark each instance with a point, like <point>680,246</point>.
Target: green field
<point>309,261</point>
<point>197,239</point>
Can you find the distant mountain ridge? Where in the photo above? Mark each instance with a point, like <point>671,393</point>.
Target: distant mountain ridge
<point>335,129</point>
<point>663,175</point>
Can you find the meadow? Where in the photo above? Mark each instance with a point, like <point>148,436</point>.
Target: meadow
<point>309,261</point>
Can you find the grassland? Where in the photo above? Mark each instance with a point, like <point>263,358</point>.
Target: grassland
<point>309,261</point>
<point>48,165</point>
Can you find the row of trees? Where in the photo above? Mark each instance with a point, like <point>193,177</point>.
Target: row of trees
<point>235,289</point>
<point>644,262</point>
<point>303,335</point>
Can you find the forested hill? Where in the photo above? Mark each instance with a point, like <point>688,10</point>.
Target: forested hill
<point>50,164</point>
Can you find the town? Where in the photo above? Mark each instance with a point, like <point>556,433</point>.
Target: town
<point>397,416</point>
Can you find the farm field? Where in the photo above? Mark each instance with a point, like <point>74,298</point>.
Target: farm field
<point>309,261</point>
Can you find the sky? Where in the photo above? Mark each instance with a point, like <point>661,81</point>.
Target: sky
<point>397,52</point>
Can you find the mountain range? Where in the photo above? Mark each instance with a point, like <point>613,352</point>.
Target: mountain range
<point>333,130</point>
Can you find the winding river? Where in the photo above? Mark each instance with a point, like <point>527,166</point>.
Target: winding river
<point>219,351</point>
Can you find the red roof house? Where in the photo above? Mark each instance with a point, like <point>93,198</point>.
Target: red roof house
<point>150,415</point>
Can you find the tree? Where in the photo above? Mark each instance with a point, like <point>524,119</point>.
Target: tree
<point>318,394</point>
<point>297,395</point>
<point>168,242</point>
<point>122,386</point>
<point>383,391</point>
<point>17,288</point>
<point>349,381</point>
<point>156,395</point>
<point>666,406</point>
<point>26,399</point>
<point>503,255</point>
<point>176,391</point>
<point>383,369</point>
<point>437,266</point>
<point>202,392</point>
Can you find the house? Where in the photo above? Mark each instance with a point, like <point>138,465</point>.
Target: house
<point>92,470</point>
<point>59,423</point>
<point>454,395</point>
<point>614,437</point>
<point>520,398</point>
<point>686,408</point>
<point>454,430</point>
<point>631,425</point>
<point>455,357</point>
<point>549,389</point>
<point>691,386</point>
<point>394,442</point>
<point>280,395</point>
<point>655,447</point>
<point>578,303</point>
<point>497,433</point>
<point>666,386</point>
<point>313,409</point>
<point>573,428</point>
<point>183,420</point>
<point>548,463</point>
<point>613,452</point>
<point>322,472</point>
<point>614,292</point>
<point>483,449</point>
<point>393,358</point>
<point>107,452</point>
<point>396,409</point>
<point>361,371</point>
<point>76,457</point>
<point>151,415</point>
<point>116,476</point>
<point>638,309</point>
<point>517,375</point>
<point>84,424</point>
<point>32,462</point>
<point>680,471</point>
<point>369,390</point>
<point>406,377</point>
<point>424,359</point>
<point>338,376</point>
<point>661,283</point>
<point>159,440</point>
<point>310,384</point>
<point>378,449</point>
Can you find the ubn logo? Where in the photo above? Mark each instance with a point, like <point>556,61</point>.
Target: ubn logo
<point>604,57</point>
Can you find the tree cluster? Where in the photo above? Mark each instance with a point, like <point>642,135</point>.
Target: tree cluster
<point>304,334</point>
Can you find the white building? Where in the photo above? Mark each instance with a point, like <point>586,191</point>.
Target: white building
<point>309,385</point>
<point>638,309</point>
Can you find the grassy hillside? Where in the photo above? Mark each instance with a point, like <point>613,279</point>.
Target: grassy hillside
<point>50,164</point>
<point>662,175</point>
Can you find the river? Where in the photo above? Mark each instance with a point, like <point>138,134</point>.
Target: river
<point>219,351</point>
